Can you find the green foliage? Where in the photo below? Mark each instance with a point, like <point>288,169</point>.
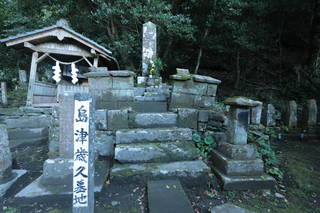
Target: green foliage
<point>204,144</point>
<point>261,140</point>
<point>11,210</point>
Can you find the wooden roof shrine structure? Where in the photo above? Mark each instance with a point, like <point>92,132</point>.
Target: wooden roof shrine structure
<point>58,39</point>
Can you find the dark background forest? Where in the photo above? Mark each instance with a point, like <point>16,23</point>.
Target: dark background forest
<point>266,49</point>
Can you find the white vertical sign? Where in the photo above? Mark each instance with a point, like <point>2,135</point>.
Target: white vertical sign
<point>81,153</point>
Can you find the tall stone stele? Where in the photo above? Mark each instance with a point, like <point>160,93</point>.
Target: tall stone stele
<point>7,176</point>
<point>235,161</point>
<point>291,114</point>
<point>149,45</point>
<point>310,113</point>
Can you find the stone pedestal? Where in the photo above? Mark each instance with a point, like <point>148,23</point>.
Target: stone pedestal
<point>111,87</point>
<point>7,176</point>
<point>192,91</point>
<point>235,161</point>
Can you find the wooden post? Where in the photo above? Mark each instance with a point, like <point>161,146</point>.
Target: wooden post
<point>32,78</point>
<point>83,167</point>
<point>95,61</point>
<point>4,96</point>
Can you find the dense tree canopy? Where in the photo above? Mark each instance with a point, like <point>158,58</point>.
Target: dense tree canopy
<point>264,46</point>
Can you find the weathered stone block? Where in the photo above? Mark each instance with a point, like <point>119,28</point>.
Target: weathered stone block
<point>238,125</point>
<point>141,81</point>
<point>100,84</point>
<point>310,113</point>
<point>268,115</point>
<point>291,116</point>
<point>204,101</point>
<point>188,118</point>
<point>203,116</point>
<point>139,91</point>
<point>118,119</point>
<point>122,82</point>
<point>212,90</point>
<point>104,144</point>
<point>237,167</point>
<point>179,100</point>
<point>57,171</point>
<point>238,152</point>
<point>153,135</point>
<point>5,154</point>
<point>156,152</point>
<point>256,113</point>
<point>190,87</point>
<point>101,119</point>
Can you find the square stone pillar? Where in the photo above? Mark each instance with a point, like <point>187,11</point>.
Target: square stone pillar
<point>310,113</point>
<point>235,161</point>
<point>291,115</point>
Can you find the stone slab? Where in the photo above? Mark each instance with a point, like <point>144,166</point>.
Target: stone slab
<point>191,173</point>
<point>229,208</point>
<point>190,87</point>
<point>104,144</point>
<point>237,167</point>
<point>139,91</point>
<point>27,133</point>
<point>156,152</point>
<point>167,196</point>
<point>28,142</point>
<point>205,79</point>
<point>151,98</point>
<point>179,100</point>
<point>153,135</point>
<point>238,183</point>
<point>27,122</point>
<point>101,119</point>
<point>4,187</point>
<point>158,120</point>
<point>37,190</point>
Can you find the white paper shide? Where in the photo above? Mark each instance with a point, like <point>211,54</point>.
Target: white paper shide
<point>81,153</point>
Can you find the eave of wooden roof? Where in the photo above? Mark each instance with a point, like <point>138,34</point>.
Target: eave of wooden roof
<point>53,31</point>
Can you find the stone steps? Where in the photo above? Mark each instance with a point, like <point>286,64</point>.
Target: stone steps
<point>156,152</point>
<point>191,173</point>
<point>153,120</point>
<point>130,136</point>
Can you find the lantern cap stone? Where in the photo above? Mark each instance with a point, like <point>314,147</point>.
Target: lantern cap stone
<point>242,102</point>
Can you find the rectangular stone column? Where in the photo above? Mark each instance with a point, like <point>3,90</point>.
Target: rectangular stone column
<point>310,113</point>
<point>268,115</point>
<point>291,115</point>
<point>149,45</point>
<point>256,113</point>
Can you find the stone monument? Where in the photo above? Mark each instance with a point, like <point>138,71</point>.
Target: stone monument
<point>310,113</point>
<point>235,161</point>
<point>57,174</point>
<point>149,45</point>
<point>7,176</point>
<point>291,115</point>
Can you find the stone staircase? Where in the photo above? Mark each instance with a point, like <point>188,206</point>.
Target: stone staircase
<point>154,147</point>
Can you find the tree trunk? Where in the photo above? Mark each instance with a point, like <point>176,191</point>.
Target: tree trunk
<point>238,71</point>
<point>206,32</point>
<point>314,36</point>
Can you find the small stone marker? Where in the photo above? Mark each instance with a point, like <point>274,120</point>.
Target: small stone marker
<point>4,95</point>
<point>83,168</point>
<point>291,114</point>
<point>181,71</point>
<point>167,196</point>
<point>310,113</point>
<point>269,116</point>
<point>22,76</point>
<point>149,45</point>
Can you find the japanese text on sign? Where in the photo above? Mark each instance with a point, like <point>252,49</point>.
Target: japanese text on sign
<point>81,153</point>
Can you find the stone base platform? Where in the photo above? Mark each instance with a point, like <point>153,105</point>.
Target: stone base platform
<point>229,208</point>
<point>255,182</point>
<point>4,187</point>
<point>36,189</point>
